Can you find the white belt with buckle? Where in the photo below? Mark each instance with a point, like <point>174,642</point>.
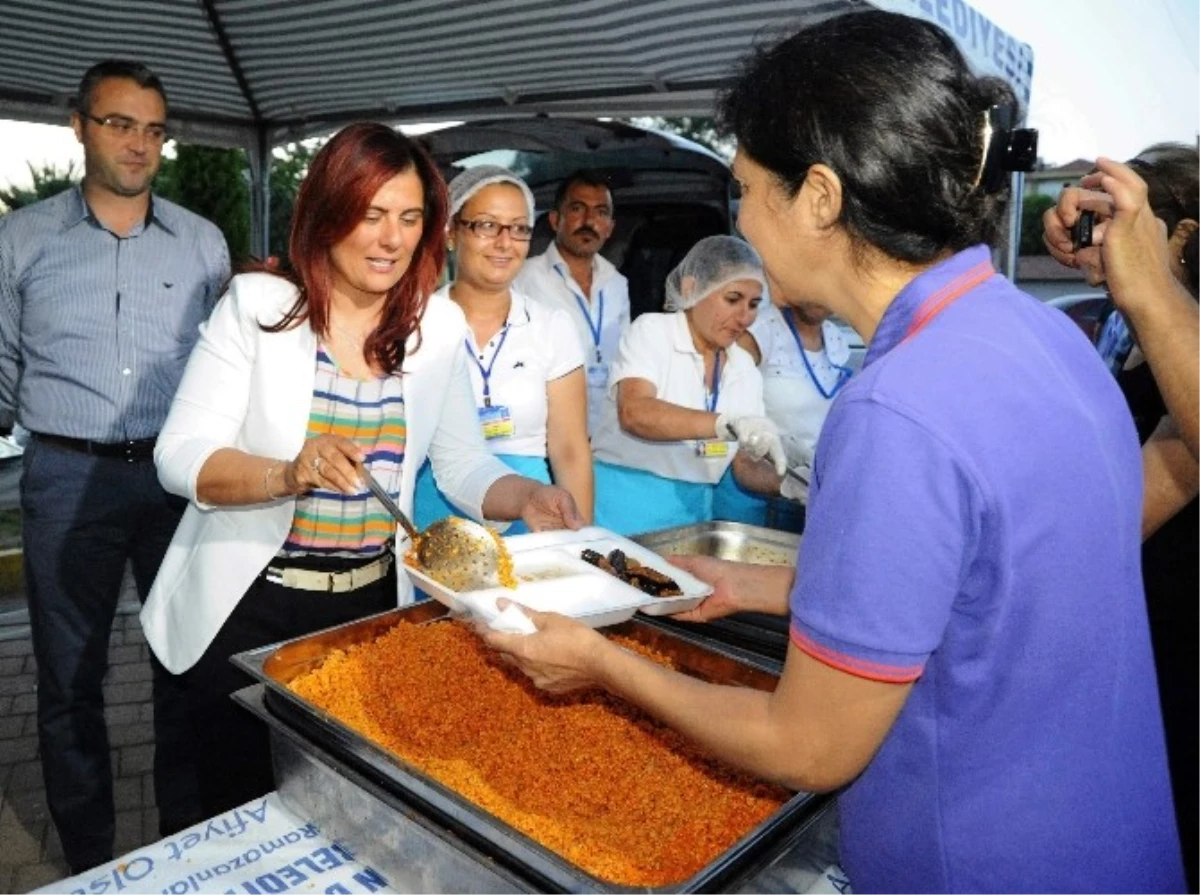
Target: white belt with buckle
<point>330,582</point>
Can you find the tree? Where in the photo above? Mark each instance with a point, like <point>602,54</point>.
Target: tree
<point>48,180</point>
<point>288,167</point>
<point>213,183</point>
<point>699,130</point>
<point>1033,207</point>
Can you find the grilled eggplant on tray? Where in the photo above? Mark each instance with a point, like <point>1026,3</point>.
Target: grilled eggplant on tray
<point>629,570</point>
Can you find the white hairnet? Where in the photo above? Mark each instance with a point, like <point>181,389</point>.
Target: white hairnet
<point>712,262</point>
<point>472,180</point>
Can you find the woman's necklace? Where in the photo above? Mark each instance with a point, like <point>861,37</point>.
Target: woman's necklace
<point>358,340</point>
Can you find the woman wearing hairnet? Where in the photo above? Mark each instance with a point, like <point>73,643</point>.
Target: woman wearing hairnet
<point>524,357</point>
<point>685,403</point>
<point>969,654</point>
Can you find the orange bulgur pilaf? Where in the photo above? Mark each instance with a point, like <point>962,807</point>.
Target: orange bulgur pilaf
<point>586,775</point>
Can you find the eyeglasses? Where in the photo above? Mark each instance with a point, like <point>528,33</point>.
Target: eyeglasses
<point>493,229</point>
<point>120,126</point>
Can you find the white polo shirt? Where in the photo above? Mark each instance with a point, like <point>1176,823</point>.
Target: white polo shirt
<point>537,345</point>
<point>659,349</point>
<point>600,318</point>
<point>790,394</point>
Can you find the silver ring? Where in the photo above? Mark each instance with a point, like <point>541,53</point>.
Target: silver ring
<point>317,461</point>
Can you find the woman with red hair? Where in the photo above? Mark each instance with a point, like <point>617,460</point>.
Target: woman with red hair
<point>299,384</point>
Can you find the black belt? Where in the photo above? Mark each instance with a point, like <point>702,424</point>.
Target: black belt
<point>129,451</point>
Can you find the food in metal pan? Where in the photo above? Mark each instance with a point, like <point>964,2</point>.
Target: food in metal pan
<point>588,776</point>
<point>629,570</point>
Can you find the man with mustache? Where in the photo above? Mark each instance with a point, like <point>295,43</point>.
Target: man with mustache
<point>572,274</point>
<point>102,290</point>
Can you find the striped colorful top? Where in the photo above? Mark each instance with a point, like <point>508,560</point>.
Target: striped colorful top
<point>371,413</point>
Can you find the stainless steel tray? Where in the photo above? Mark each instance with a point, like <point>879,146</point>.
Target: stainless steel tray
<point>507,851</point>
<point>726,540</point>
<point>764,636</point>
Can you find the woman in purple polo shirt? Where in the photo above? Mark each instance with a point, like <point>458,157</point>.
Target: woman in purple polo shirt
<point>969,648</point>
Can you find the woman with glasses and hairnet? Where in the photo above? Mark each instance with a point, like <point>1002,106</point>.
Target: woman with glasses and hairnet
<point>524,357</point>
<point>685,403</point>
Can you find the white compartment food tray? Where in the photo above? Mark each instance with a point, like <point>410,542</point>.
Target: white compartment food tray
<point>552,578</point>
<point>604,541</point>
<point>548,581</point>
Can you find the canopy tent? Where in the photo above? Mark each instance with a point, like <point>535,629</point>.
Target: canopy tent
<point>256,73</point>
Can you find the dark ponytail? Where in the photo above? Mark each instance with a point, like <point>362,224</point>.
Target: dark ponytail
<point>888,102</point>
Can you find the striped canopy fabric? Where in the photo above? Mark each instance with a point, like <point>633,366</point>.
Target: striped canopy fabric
<point>246,72</point>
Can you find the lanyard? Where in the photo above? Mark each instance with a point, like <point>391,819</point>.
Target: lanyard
<point>948,295</point>
<point>595,327</point>
<point>487,373</point>
<point>715,392</point>
<point>843,372</point>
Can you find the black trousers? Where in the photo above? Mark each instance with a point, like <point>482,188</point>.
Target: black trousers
<point>233,746</point>
<point>84,518</point>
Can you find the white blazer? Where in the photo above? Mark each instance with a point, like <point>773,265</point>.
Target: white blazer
<point>252,390</point>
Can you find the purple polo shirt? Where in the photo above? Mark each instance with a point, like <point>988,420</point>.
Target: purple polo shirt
<point>975,527</point>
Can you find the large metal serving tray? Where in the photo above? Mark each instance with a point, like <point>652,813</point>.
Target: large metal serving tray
<point>725,540</point>
<point>505,854</point>
<point>765,636</point>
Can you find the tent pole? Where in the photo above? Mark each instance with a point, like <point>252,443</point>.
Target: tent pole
<point>260,194</point>
<point>1016,207</point>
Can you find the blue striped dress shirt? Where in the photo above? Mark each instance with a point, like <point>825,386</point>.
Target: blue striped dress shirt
<point>95,329</point>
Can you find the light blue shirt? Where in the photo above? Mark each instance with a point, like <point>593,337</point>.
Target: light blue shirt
<point>95,328</point>
<point>600,318</point>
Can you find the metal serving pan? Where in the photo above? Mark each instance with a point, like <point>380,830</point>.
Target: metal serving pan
<point>429,804</point>
<point>725,540</point>
<point>765,636</point>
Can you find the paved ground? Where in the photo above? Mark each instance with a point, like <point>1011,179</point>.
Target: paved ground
<point>30,854</point>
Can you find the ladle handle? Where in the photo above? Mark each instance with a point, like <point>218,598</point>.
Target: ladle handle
<point>389,504</point>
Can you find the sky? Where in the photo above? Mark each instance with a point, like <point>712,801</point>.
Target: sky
<point>1110,77</point>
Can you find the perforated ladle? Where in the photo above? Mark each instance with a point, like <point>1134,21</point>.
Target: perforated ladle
<point>455,552</point>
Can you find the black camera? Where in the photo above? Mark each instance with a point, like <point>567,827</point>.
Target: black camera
<point>1081,233</point>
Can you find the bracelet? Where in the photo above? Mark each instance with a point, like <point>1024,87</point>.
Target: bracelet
<point>267,481</point>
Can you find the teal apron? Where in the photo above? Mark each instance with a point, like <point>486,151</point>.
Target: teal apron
<point>632,501</point>
<point>430,505</point>
<point>733,503</point>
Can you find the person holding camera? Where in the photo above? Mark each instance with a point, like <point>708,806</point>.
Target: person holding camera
<point>1147,261</point>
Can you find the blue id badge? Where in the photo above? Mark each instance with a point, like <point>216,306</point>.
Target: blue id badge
<point>597,375</point>
<point>496,422</point>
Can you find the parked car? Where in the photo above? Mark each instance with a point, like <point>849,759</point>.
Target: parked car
<point>1087,309</point>
<point>668,192</point>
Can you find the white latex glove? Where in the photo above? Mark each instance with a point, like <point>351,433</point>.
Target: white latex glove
<point>757,436</point>
<point>799,472</point>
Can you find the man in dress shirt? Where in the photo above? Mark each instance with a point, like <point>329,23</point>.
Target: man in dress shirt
<point>572,274</point>
<point>102,288</point>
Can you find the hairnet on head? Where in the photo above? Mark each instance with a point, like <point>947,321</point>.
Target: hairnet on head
<point>472,180</point>
<point>712,263</point>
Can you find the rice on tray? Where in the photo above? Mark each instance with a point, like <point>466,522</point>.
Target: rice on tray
<point>586,775</point>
